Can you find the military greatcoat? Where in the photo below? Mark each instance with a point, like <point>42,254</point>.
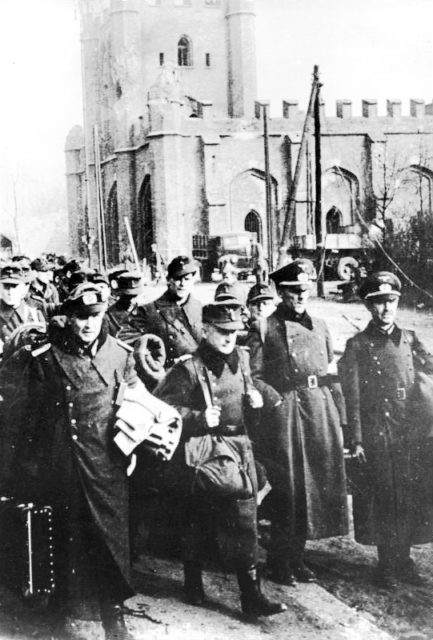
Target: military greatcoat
<point>62,452</point>
<point>305,436</point>
<point>11,319</point>
<point>179,326</point>
<point>234,522</point>
<point>390,494</point>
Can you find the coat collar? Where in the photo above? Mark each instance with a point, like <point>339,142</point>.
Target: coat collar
<point>373,331</point>
<point>71,359</point>
<point>215,361</point>
<point>288,315</point>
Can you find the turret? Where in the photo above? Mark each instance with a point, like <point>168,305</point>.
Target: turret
<point>241,43</point>
<point>126,68</point>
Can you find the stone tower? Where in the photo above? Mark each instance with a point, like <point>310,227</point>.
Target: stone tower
<point>126,42</point>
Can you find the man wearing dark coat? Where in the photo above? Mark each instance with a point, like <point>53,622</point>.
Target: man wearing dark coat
<point>42,292</point>
<point>209,389</point>
<point>128,291</point>
<point>14,311</point>
<point>303,437</point>
<point>61,452</point>
<point>175,317</point>
<point>380,373</point>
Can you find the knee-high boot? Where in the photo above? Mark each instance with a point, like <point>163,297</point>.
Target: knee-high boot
<point>193,584</point>
<point>253,601</point>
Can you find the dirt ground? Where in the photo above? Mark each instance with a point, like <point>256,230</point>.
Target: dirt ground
<point>344,605</point>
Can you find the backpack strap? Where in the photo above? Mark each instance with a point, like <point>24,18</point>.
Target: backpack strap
<point>203,379</point>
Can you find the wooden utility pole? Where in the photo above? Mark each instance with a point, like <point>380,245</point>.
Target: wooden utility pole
<point>291,205</point>
<point>269,221</point>
<point>102,241</point>
<point>320,248</point>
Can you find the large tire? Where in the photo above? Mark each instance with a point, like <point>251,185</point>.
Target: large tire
<point>346,268</point>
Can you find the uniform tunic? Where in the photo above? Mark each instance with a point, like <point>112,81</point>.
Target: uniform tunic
<point>118,317</point>
<point>179,327</point>
<point>11,319</point>
<point>378,373</point>
<point>306,438</point>
<point>62,453</point>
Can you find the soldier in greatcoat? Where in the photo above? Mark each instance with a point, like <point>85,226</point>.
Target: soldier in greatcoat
<point>304,436</point>
<point>175,317</point>
<point>128,291</point>
<point>61,452</point>
<point>209,389</point>
<point>389,432</point>
<point>14,311</point>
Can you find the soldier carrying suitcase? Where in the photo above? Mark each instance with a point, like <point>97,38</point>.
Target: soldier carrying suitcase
<point>58,449</point>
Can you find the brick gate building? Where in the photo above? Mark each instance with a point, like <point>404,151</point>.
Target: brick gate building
<point>169,97</point>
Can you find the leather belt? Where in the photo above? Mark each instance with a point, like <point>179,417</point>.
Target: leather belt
<point>309,382</point>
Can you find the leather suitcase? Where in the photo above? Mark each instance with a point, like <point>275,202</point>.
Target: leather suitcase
<point>27,547</point>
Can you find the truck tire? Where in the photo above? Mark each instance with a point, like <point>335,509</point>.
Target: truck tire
<point>346,267</point>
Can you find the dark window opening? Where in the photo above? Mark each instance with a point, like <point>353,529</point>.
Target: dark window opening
<point>184,52</point>
<point>253,223</point>
<point>208,59</point>
<point>333,220</point>
<point>161,59</point>
<point>118,90</point>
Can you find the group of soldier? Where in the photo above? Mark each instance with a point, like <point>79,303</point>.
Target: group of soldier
<point>256,372</point>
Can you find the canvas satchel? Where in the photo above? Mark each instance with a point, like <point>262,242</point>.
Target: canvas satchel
<point>223,466</point>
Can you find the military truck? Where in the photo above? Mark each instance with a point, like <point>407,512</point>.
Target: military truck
<point>239,248</point>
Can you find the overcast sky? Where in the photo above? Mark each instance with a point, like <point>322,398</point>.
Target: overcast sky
<point>364,48</point>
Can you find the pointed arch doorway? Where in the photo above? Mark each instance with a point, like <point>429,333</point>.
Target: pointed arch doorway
<point>253,223</point>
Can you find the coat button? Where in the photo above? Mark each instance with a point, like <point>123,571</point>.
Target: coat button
<point>70,404</point>
<point>387,414</point>
<point>73,422</point>
<point>68,388</point>
<point>75,437</point>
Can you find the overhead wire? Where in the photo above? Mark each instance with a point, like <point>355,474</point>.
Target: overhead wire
<point>364,223</point>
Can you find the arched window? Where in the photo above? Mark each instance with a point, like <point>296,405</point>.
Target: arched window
<point>253,223</point>
<point>112,227</point>
<point>184,52</point>
<point>333,220</point>
<point>144,233</point>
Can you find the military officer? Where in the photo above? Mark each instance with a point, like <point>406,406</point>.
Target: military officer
<point>129,289</point>
<point>380,372</point>
<point>42,291</point>
<point>14,312</point>
<point>60,451</point>
<point>175,317</point>
<point>208,389</point>
<point>304,439</point>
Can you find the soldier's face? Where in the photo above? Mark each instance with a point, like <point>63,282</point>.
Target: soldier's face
<point>182,286</point>
<point>87,328</point>
<point>262,309</point>
<point>383,310</point>
<point>12,294</point>
<point>222,340</point>
<point>295,298</point>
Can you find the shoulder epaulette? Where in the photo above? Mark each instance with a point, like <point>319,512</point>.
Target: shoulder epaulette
<point>124,345</point>
<point>186,356</point>
<point>40,350</point>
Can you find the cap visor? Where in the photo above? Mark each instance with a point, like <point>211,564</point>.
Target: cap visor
<point>236,325</point>
<point>9,280</point>
<point>380,294</point>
